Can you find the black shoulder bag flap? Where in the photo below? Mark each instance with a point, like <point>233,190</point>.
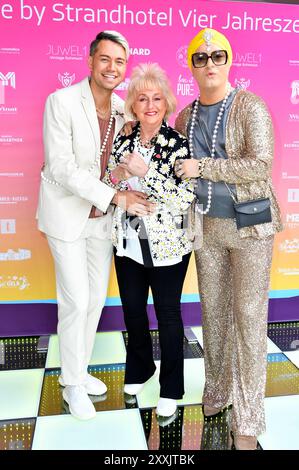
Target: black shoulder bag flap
<point>252,212</point>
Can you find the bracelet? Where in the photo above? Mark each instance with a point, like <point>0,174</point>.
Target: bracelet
<point>201,165</point>
<point>113,179</point>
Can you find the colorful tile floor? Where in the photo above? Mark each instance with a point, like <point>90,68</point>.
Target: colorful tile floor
<point>33,414</point>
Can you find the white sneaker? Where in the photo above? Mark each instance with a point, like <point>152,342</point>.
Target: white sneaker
<point>92,385</point>
<point>79,403</point>
<point>166,407</point>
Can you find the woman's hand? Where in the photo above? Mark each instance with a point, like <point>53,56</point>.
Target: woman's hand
<point>186,168</point>
<point>134,164</point>
<point>119,173</point>
<point>135,202</point>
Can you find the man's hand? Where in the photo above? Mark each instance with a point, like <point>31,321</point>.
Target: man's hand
<point>128,127</point>
<point>186,168</point>
<point>135,164</point>
<point>134,202</point>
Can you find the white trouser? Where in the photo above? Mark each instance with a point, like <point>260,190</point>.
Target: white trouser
<point>82,274</point>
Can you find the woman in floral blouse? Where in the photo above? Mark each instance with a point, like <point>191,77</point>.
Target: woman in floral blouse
<point>152,251</point>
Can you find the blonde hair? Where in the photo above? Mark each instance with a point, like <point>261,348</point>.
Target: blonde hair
<point>148,76</point>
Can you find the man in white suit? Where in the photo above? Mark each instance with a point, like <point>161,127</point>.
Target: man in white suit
<point>74,211</point>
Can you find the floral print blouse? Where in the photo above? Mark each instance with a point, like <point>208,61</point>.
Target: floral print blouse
<point>166,228</point>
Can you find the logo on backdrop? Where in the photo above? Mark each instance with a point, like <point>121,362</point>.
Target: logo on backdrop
<point>7,226</point>
<point>14,282</point>
<point>288,271</point>
<point>11,255</point>
<point>10,139</point>
<point>185,86</point>
<point>123,86</point>
<point>66,79</point>
<point>69,52</point>
<point>13,199</point>
<point>247,59</point>
<point>286,176</point>
<point>10,50</point>
<point>292,145</point>
<point>242,83</point>
<point>181,56</point>
<point>290,246</point>
<point>292,220</point>
<point>295,92</point>
<point>293,195</point>
<point>7,174</point>
<point>293,117</point>
<point>294,62</point>
<point>139,51</point>
<point>8,80</point>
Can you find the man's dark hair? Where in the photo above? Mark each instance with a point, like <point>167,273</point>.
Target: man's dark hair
<point>113,36</point>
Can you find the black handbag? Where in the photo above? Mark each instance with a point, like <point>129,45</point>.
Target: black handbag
<point>254,212</point>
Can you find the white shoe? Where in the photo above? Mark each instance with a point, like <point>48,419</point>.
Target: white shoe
<point>133,389</point>
<point>92,385</point>
<point>79,403</point>
<point>166,407</point>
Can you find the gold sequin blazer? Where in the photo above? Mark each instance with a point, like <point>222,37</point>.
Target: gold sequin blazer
<point>250,149</point>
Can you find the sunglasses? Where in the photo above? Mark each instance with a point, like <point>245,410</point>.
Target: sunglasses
<point>200,59</point>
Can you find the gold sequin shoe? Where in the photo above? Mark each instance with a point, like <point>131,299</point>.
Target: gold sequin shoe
<point>243,442</point>
<point>212,412</point>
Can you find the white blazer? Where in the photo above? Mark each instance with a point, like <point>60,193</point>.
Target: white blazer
<point>72,142</point>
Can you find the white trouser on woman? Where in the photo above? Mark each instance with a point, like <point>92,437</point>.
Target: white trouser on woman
<point>82,274</point>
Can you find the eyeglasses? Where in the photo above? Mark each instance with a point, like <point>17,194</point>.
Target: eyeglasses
<point>200,59</point>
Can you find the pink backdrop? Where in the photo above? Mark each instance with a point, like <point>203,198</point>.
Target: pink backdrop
<point>44,46</point>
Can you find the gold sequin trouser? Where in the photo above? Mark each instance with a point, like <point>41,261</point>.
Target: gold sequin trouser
<point>233,278</point>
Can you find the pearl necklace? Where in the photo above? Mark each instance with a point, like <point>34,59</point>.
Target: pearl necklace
<point>148,143</point>
<point>102,149</point>
<point>214,137</point>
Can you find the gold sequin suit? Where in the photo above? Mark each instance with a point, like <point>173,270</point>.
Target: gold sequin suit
<point>233,269</point>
